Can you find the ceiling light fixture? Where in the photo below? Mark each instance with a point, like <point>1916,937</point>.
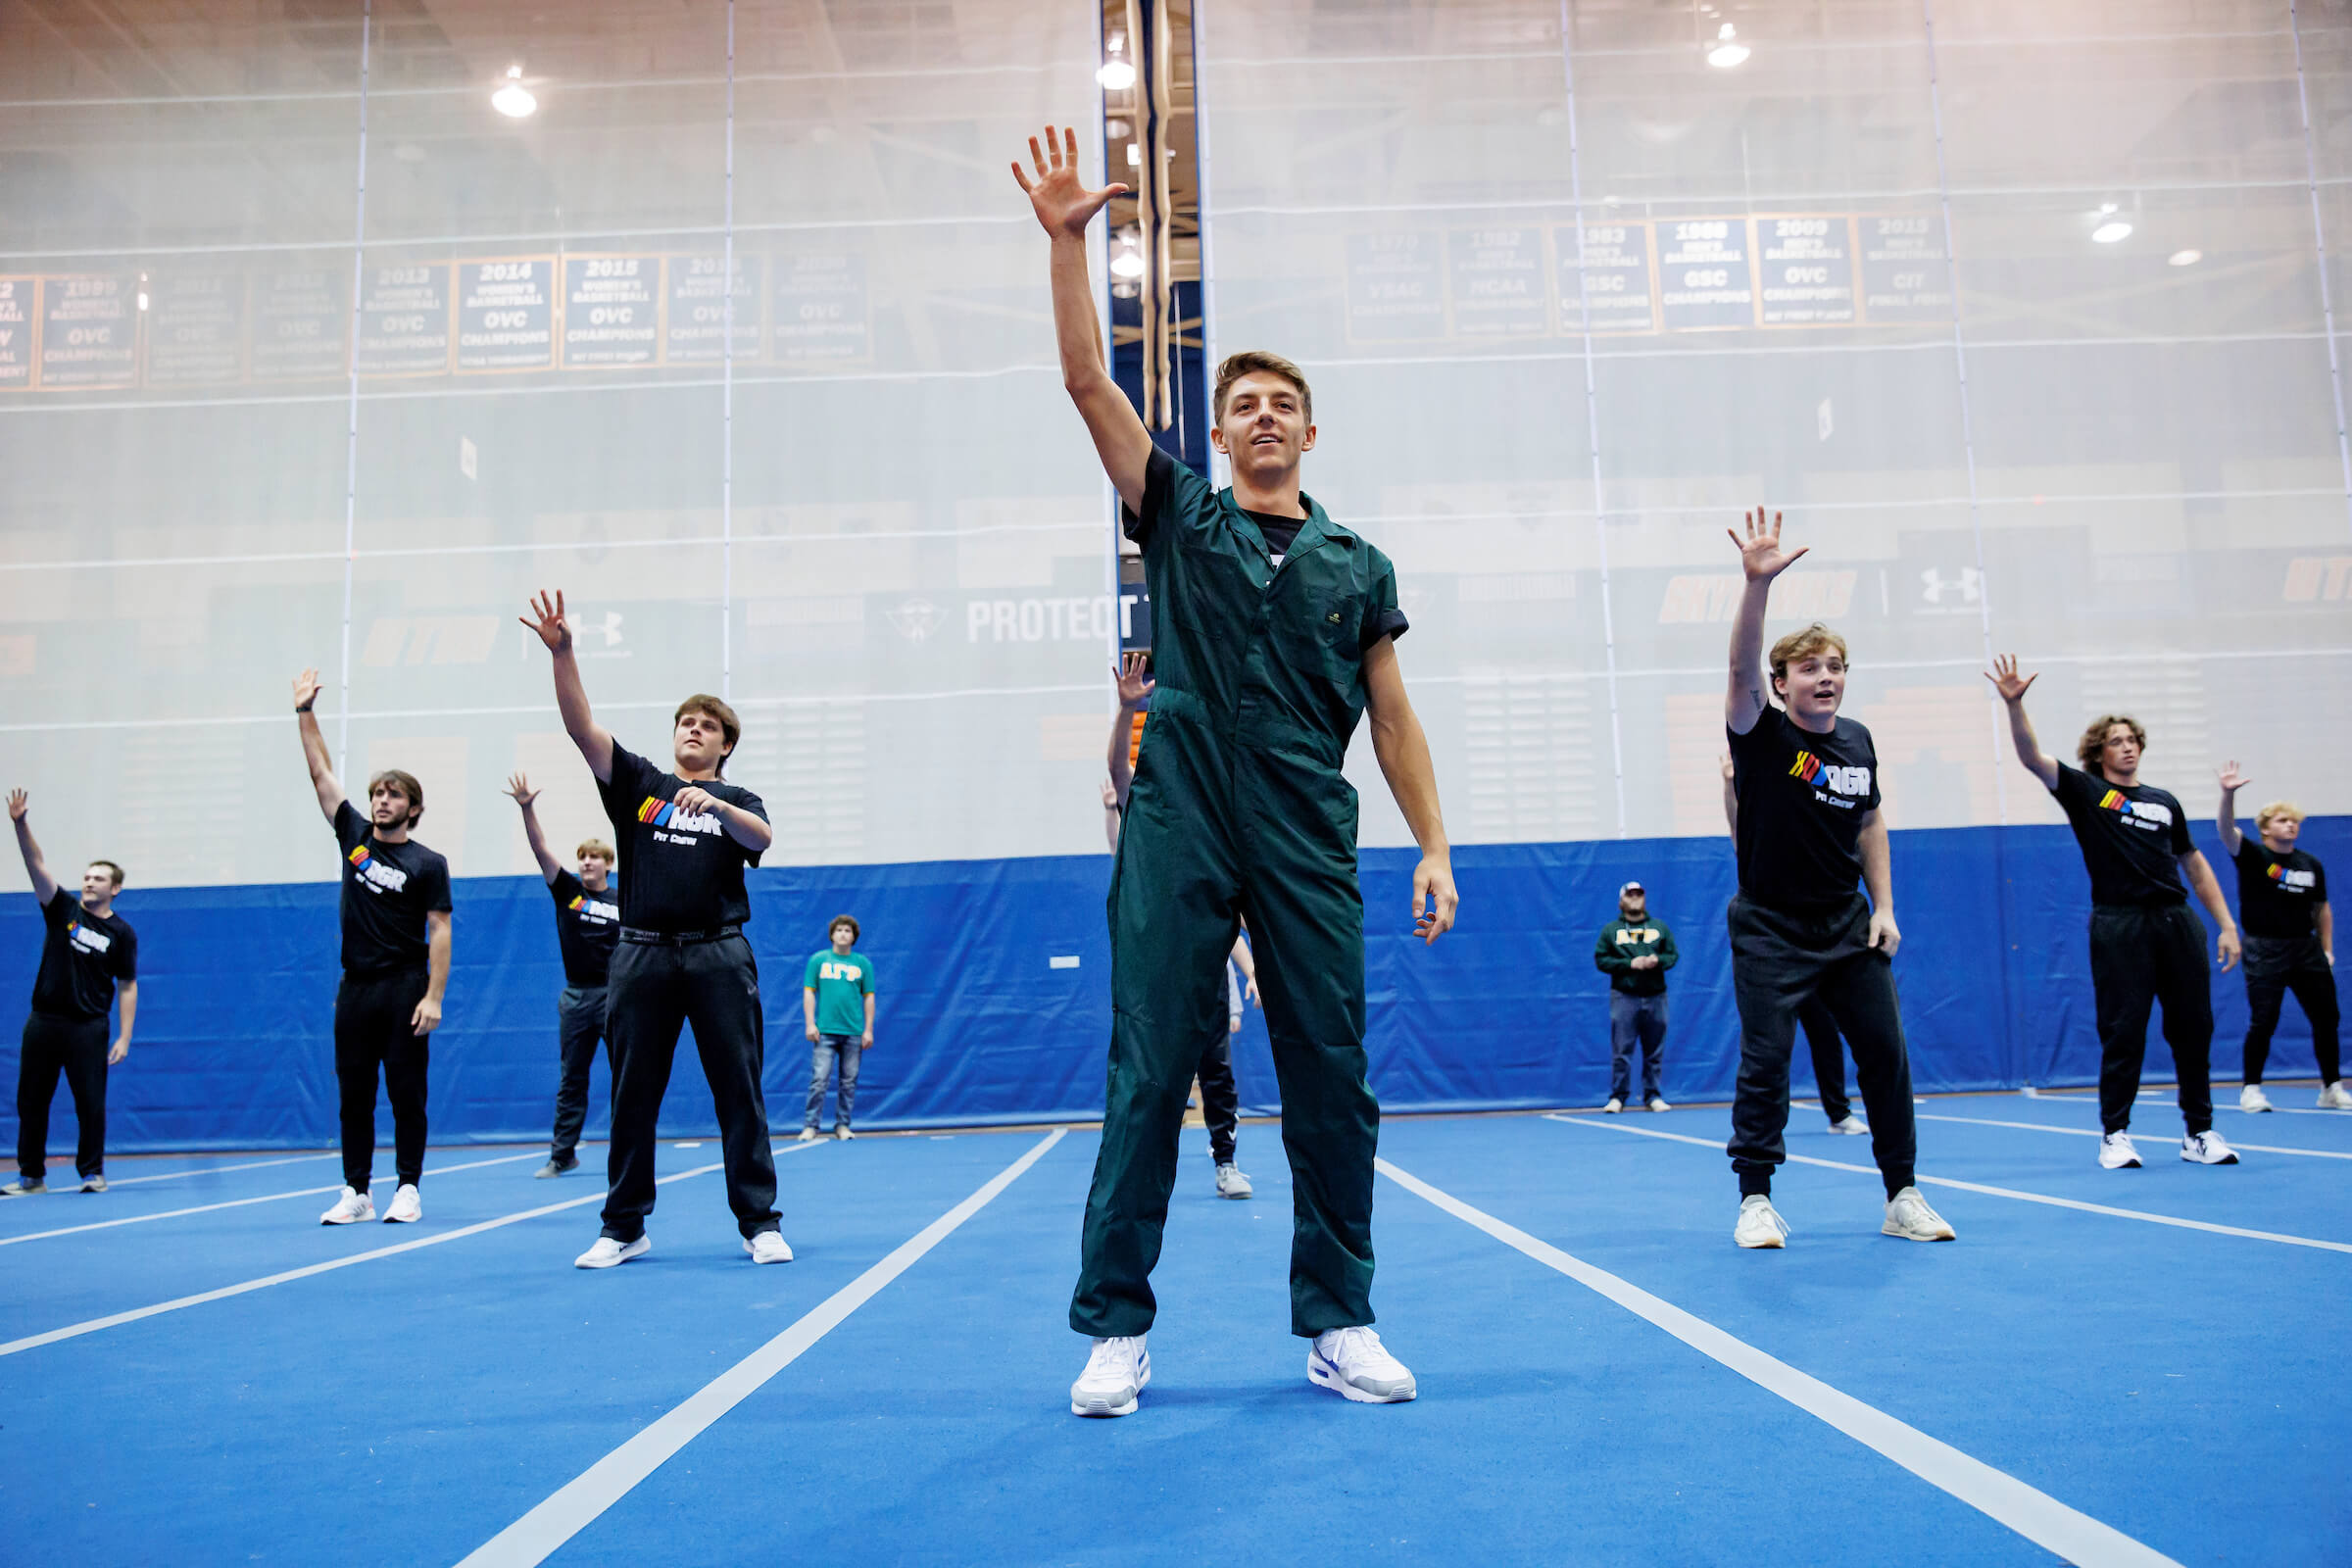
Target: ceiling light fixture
<point>1729,51</point>
<point>1127,263</point>
<point>1117,74</point>
<point>2111,231</point>
<point>513,99</point>
<point>2189,258</point>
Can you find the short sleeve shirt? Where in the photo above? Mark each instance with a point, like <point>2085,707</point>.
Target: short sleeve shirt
<point>842,983</point>
<point>2131,839</point>
<point>388,890</point>
<point>678,872</point>
<point>2278,895</point>
<point>587,928</point>
<point>83,956</point>
<point>1803,799</point>
<point>1260,636</point>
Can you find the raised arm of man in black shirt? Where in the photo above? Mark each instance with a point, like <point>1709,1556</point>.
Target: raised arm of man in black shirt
<point>1762,559</point>
<point>571,698</point>
<point>44,886</point>
<point>2013,688</point>
<point>2233,779</point>
<point>519,788</point>
<point>313,744</point>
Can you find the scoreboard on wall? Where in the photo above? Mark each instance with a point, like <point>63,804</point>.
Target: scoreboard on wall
<point>209,325</point>
<point>1648,277</point>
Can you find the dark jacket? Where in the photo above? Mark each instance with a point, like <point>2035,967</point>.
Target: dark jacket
<point>1622,942</point>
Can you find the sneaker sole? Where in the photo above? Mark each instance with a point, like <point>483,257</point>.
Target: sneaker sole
<point>356,1219</point>
<point>756,1258</point>
<point>1323,1375</point>
<point>2191,1160</point>
<point>1103,1409</point>
<point>1947,1234</point>
<point>404,1219</point>
<point>1244,1193</point>
<point>636,1248</point>
<point>1767,1244</point>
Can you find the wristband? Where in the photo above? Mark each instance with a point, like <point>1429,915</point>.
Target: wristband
<point>304,708</point>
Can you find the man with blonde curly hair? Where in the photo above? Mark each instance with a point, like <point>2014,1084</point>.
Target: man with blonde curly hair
<point>2145,946</point>
<point>2290,941</point>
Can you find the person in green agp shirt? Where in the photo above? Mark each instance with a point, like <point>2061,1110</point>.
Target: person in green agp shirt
<point>837,1007</point>
<point>1274,629</point>
<point>1635,951</point>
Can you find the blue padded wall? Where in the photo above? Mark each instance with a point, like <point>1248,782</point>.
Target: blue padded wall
<point>978,1025</point>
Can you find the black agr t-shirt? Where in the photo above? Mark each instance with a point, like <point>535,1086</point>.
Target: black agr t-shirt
<point>587,926</point>
<point>1802,797</point>
<point>388,889</point>
<point>83,956</point>
<point>2278,895</point>
<point>2131,839</point>
<point>679,873</point>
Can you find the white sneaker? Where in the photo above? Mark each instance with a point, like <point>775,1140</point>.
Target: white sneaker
<point>1852,1126</point>
<point>609,1253</point>
<point>1909,1217</point>
<point>1658,1103</point>
<point>1231,1183</point>
<point>408,1206</point>
<point>1117,1371</point>
<point>93,1184</point>
<point>766,1247</point>
<point>351,1209</point>
<point>2335,1097</point>
<point>807,1136</point>
<point>1760,1224</point>
<point>2251,1097</point>
<point>1352,1364</point>
<point>1614,1105</point>
<point>2207,1149</point>
<point>843,1134</point>
<point>2116,1154</point>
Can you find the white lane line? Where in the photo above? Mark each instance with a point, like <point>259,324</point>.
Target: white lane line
<point>217,1170</point>
<point>2092,1132</point>
<point>533,1538</point>
<point>34,1341</point>
<point>2141,1214</point>
<point>2040,1518</point>
<point>241,1203</point>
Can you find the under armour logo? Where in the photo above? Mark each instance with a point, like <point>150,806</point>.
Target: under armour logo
<point>1968,585</point>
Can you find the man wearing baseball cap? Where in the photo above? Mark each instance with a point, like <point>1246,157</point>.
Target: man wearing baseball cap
<point>1635,951</point>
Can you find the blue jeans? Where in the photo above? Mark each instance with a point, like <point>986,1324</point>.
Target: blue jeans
<point>1632,1018</point>
<point>848,1048</point>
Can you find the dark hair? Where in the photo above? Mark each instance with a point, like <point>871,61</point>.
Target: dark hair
<point>113,870</point>
<point>1237,365</point>
<point>849,920</point>
<point>730,727</point>
<point>405,782</point>
<point>2094,744</point>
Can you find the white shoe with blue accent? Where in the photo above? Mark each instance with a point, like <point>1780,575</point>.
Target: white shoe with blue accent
<point>2207,1149</point>
<point>1352,1364</point>
<point>1117,1371</point>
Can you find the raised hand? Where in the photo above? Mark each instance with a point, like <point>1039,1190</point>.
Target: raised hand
<point>546,619</point>
<point>1760,554</point>
<point>2234,777</point>
<point>2006,680</point>
<point>19,802</point>
<point>1135,684</point>
<point>1063,203</point>
<point>519,788</point>
<point>306,689</point>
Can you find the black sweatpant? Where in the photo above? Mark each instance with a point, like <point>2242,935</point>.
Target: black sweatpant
<point>1779,961</point>
<point>656,985</point>
<point>76,1048</point>
<point>2276,965</point>
<point>2143,954</point>
<point>1828,1049</point>
<point>374,1028</point>
<point>579,1025</point>
<point>1220,1097</point>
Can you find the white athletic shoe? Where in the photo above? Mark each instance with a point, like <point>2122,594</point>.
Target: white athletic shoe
<point>1614,1105</point>
<point>408,1206</point>
<point>1352,1364</point>
<point>843,1133</point>
<point>1909,1217</point>
<point>2335,1097</point>
<point>807,1136</point>
<point>2251,1097</point>
<point>766,1247</point>
<point>93,1184</point>
<point>1760,1224</point>
<point>1852,1126</point>
<point>609,1253</point>
<point>351,1209</point>
<point>1659,1103</point>
<point>2207,1149</point>
<point>2116,1154</point>
<point>1117,1371</point>
<point>1231,1183</point>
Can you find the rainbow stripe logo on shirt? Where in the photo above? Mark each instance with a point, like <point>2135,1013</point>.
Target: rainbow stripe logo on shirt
<point>360,857</point>
<point>576,904</point>
<point>656,810</point>
<point>2276,873</point>
<point>2113,800</point>
<point>1807,766</point>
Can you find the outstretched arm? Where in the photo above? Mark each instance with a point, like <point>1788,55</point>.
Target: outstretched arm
<point>1878,879</point>
<point>1065,207</point>
<point>2013,688</point>
<point>313,744</point>
<point>1404,751</point>
<point>2209,893</point>
<point>2232,780</point>
<point>44,886</point>
<point>1761,559</point>
<point>519,788</point>
<point>571,698</point>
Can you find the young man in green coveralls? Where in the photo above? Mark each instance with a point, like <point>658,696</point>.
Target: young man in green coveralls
<point>1273,632</point>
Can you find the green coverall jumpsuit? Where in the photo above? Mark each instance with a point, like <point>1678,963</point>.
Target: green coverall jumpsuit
<point>1239,809</point>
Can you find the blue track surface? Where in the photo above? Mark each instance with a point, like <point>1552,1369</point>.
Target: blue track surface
<point>2177,1385</point>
